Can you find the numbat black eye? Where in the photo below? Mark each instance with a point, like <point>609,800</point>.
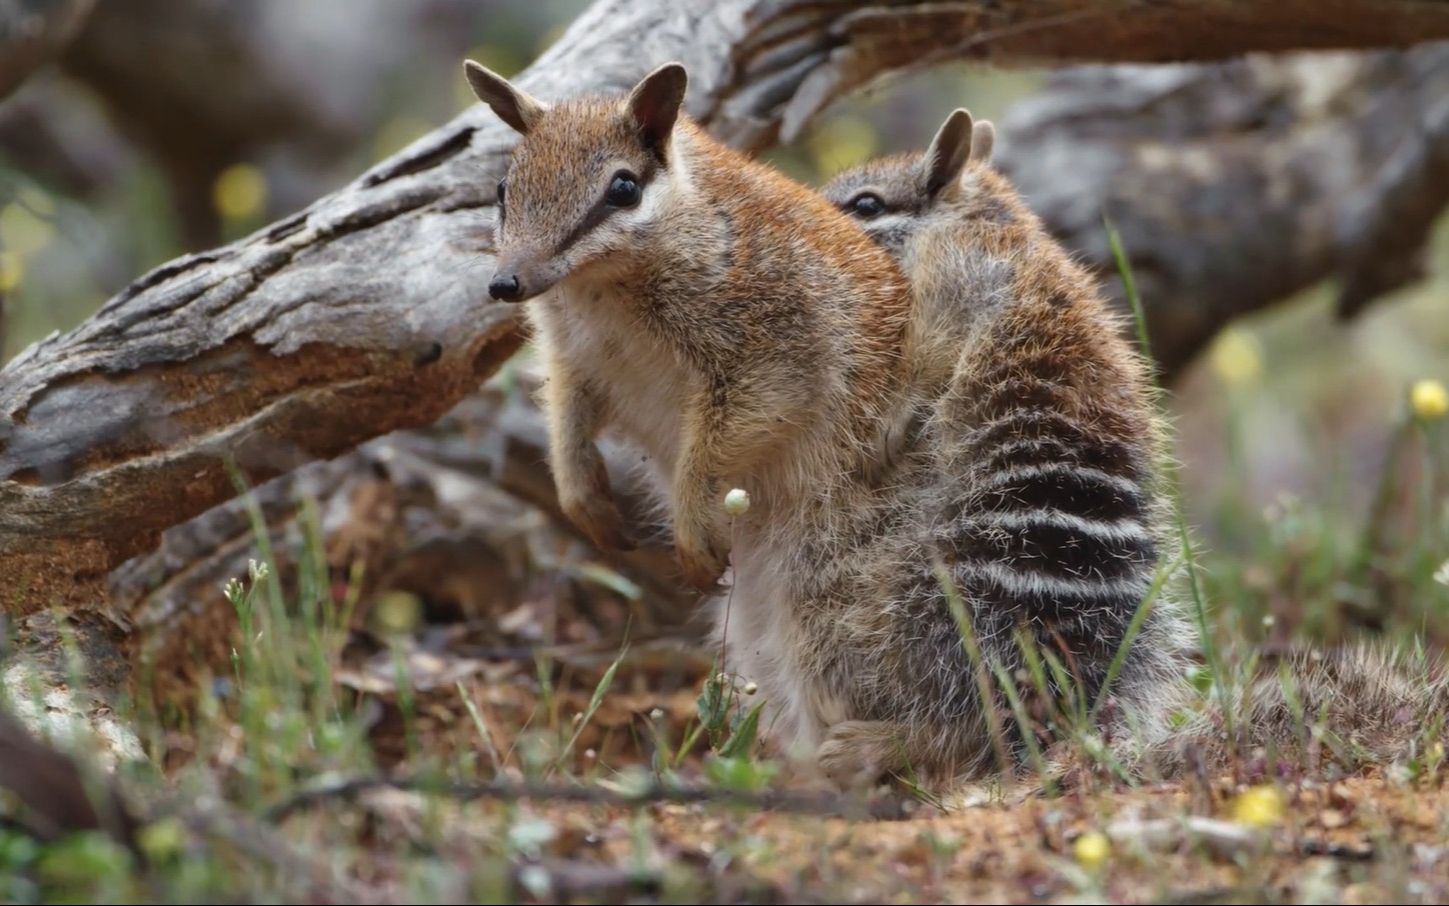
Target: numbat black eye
<point>867,205</point>
<point>624,191</point>
<point>500,193</point>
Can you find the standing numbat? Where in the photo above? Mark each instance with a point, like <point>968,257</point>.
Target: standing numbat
<point>727,320</point>
<point>739,329</point>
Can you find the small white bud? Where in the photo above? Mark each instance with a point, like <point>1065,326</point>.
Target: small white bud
<point>1269,620</point>
<point>590,754</point>
<point>737,502</point>
<point>578,716</point>
<point>656,714</point>
<point>752,687</point>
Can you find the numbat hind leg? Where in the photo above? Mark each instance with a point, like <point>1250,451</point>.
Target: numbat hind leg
<point>860,753</point>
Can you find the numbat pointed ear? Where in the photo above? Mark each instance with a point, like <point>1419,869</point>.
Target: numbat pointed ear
<point>513,105</point>
<point>948,153</point>
<point>654,105</point>
<point>983,139</point>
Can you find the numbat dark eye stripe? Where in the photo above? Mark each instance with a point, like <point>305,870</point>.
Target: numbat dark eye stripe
<point>601,210</point>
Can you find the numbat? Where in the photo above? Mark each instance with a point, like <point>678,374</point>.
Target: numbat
<point>1043,442</point>
<point>729,321</point>
<point>745,332</point>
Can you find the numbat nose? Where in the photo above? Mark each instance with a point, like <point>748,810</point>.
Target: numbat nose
<point>505,289</point>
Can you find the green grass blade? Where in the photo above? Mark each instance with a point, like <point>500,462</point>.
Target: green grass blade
<point>595,701</point>
<point>1129,286</point>
<point>1144,610</point>
<point>983,676</point>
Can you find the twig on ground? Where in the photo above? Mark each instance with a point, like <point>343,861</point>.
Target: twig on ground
<point>825,804</point>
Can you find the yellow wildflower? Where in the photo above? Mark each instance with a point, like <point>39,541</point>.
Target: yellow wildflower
<point>1429,399</point>
<point>1091,850</point>
<point>1259,806</point>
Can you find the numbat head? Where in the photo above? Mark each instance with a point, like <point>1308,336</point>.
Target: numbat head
<point>590,184</point>
<point>957,227</point>
<point>895,198</point>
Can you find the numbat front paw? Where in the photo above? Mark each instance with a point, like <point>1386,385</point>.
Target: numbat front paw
<point>703,548</point>
<point>703,571</point>
<point>857,754</point>
<point>599,518</point>
<point>702,566</point>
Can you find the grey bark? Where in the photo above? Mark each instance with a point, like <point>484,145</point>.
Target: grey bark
<point>461,514</point>
<point>1236,185</point>
<point>365,313</point>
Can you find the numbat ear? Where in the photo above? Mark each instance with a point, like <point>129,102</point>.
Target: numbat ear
<point>513,105</point>
<point>983,139</point>
<point>654,105</point>
<point>948,153</point>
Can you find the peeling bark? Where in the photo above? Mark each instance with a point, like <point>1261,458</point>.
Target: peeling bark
<point>462,514</point>
<point>1239,184</point>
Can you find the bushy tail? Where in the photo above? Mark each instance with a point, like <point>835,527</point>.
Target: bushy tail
<point>1363,703</point>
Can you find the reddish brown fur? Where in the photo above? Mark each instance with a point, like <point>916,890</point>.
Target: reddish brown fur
<point>774,324</point>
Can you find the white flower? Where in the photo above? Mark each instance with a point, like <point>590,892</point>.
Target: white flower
<point>1442,574</point>
<point>737,502</point>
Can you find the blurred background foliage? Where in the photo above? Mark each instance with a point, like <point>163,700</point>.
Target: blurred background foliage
<point>1286,429</point>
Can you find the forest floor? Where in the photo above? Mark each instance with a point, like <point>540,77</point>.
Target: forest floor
<point>494,776</point>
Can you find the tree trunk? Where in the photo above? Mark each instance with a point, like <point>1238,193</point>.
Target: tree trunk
<point>365,313</point>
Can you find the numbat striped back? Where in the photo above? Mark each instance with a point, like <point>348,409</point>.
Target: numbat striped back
<point>1036,460</point>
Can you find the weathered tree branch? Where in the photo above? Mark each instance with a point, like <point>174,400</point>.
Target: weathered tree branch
<point>364,313</point>
<point>1236,185</point>
<point>462,514</point>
